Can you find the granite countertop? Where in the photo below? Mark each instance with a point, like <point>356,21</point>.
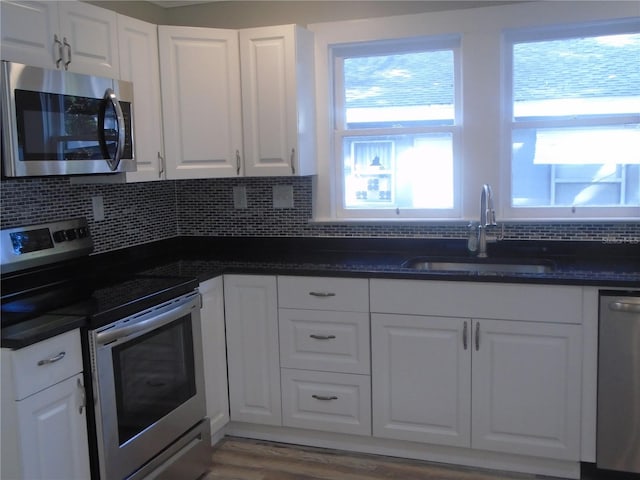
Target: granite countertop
<point>588,264</point>
<point>612,267</point>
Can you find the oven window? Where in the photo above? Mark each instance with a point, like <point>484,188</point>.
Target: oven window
<point>154,374</point>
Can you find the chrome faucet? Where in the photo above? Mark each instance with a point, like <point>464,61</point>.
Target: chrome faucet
<point>478,237</point>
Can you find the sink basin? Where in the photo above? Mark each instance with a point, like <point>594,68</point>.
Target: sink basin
<point>473,265</point>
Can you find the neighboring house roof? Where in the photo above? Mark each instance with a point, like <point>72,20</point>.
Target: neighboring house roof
<point>570,68</point>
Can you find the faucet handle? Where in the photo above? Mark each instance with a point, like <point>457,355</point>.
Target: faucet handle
<point>472,241</point>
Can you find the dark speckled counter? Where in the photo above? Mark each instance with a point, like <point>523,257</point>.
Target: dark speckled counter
<point>586,263</point>
<point>611,267</point>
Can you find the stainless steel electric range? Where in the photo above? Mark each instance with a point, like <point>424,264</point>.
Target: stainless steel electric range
<point>141,341</point>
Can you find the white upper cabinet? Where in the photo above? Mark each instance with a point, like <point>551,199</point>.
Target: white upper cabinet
<point>278,106</point>
<point>75,36</point>
<point>138,44</point>
<point>201,102</point>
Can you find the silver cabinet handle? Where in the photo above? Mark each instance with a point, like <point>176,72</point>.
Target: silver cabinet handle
<point>160,165</point>
<point>324,397</point>
<point>57,41</point>
<point>464,335</point>
<point>322,294</point>
<point>293,156</point>
<point>477,336</point>
<point>54,359</point>
<point>83,397</point>
<point>625,307</point>
<point>66,44</point>
<point>237,162</point>
<point>322,337</point>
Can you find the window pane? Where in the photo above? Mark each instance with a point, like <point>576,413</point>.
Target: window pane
<point>592,84</point>
<point>577,76</point>
<point>401,90</point>
<point>398,171</point>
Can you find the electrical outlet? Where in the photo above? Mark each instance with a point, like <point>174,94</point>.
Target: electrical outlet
<point>283,196</point>
<point>97,205</point>
<point>239,197</point>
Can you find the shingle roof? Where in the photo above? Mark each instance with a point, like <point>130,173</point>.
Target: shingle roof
<point>543,70</point>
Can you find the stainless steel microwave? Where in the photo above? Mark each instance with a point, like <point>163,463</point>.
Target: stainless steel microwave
<point>56,122</point>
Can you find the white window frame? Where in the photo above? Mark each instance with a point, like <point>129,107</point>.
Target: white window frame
<point>556,32</point>
<point>483,136</point>
<point>389,47</point>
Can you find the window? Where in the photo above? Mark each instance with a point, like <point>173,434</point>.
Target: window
<point>396,128</point>
<point>575,118</point>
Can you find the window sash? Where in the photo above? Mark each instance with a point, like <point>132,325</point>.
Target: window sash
<point>342,130</point>
<point>511,124</point>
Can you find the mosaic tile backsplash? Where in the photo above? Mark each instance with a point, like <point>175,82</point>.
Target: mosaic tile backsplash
<point>142,212</point>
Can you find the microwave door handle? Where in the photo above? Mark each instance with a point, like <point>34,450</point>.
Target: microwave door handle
<point>110,96</point>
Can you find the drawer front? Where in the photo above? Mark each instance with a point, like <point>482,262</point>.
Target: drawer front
<point>324,293</point>
<point>532,303</point>
<point>324,340</point>
<point>46,363</point>
<point>335,402</point>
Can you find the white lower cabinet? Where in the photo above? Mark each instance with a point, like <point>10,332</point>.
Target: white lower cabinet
<point>511,385</point>
<point>214,352</point>
<point>251,311</point>
<point>44,427</point>
<point>421,379</point>
<point>325,353</point>
<point>526,388</point>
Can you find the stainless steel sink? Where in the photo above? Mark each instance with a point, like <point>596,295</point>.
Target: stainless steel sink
<point>469,265</point>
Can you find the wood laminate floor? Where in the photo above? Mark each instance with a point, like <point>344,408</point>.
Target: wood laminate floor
<point>243,459</point>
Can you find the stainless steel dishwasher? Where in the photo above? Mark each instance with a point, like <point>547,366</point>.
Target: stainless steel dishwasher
<point>618,434</point>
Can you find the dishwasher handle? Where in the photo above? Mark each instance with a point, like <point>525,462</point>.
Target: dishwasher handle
<point>625,307</point>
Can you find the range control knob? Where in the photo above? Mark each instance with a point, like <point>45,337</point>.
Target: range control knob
<point>59,236</point>
<point>70,234</point>
<point>82,232</point>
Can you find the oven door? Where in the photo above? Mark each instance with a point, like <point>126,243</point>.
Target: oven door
<point>148,384</point>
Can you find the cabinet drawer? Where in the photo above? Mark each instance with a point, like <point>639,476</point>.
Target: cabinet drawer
<point>335,402</point>
<point>46,363</point>
<point>324,340</point>
<point>324,293</point>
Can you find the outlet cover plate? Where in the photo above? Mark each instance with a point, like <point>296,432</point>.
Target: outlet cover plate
<point>239,197</point>
<point>283,196</point>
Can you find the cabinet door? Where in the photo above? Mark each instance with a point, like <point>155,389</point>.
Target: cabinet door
<point>27,33</point>
<point>277,100</point>
<point>214,350</point>
<point>138,45</point>
<point>252,341</point>
<point>201,102</point>
<point>53,432</point>
<point>89,35</point>
<point>421,378</point>
<point>526,388</point>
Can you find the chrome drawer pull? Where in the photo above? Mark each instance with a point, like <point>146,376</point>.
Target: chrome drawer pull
<point>322,337</point>
<point>55,359</point>
<point>324,397</point>
<point>322,294</point>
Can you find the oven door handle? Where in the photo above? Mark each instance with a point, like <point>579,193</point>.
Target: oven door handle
<point>118,332</point>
